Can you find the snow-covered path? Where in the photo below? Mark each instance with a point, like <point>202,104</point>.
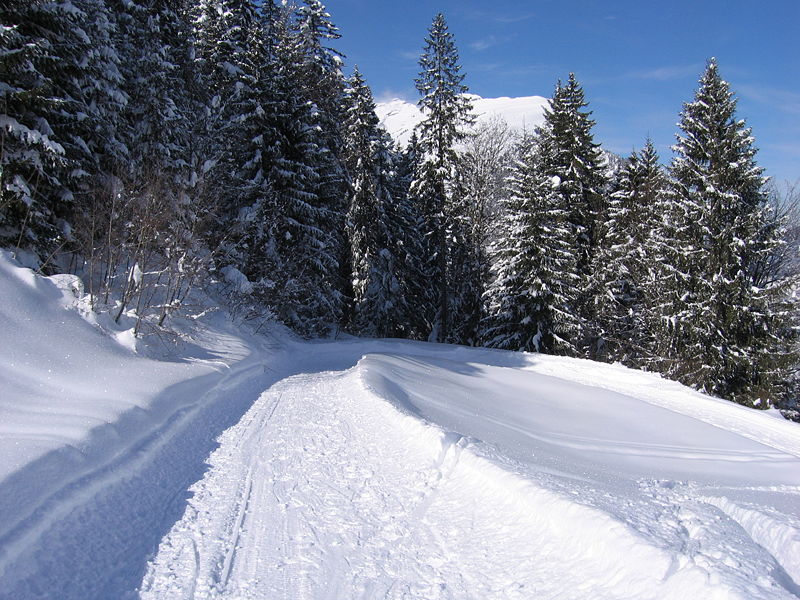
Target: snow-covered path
<point>334,485</point>
<point>255,467</point>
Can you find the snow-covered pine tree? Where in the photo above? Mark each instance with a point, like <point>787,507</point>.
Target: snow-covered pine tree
<point>446,110</point>
<point>97,82</point>
<point>529,300</point>
<point>467,266</point>
<point>319,66</point>
<point>222,30</point>
<point>571,155</point>
<point>317,70</point>
<point>408,224</point>
<point>258,119</point>
<point>726,320</point>
<point>153,44</point>
<point>625,262</point>
<point>378,300</point>
<point>29,154</point>
<point>296,264</point>
<point>63,98</point>
<point>269,154</point>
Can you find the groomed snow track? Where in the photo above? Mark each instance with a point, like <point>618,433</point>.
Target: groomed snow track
<point>326,490</point>
<point>382,477</point>
<point>91,536</point>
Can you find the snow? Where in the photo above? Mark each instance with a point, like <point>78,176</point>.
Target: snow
<point>525,113</point>
<point>247,467</point>
<point>237,279</point>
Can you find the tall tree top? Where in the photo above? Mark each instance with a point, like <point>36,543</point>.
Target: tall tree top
<point>571,130</point>
<point>714,151</point>
<point>441,85</point>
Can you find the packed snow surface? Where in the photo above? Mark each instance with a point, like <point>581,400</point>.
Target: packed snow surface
<point>373,469</point>
<point>399,117</point>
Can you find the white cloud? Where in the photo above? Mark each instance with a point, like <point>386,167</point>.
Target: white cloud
<point>484,43</point>
<point>389,94</point>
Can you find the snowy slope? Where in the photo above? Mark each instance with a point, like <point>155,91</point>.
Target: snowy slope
<point>389,469</point>
<point>399,117</point>
<point>85,422</point>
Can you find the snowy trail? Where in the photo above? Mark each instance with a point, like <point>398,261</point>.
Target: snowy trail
<point>90,537</point>
<point>248,467</point>
<point>332,486</point>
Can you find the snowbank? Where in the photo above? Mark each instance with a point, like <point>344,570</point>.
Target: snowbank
<point>81,413</point>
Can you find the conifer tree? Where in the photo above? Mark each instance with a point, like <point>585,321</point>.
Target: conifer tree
<point>726,320</point>
<point>29,153</point>
<point>446,110</point>
<point>62,104</point>
<point>625,262</point>
<point>408,223</point>
<point>299,242</point>
<point>317,70</point>
<point>481,175</point>
<point>570,155</point>
<point>152,40</point>
<point>374,259</point>
<point>529,299</point>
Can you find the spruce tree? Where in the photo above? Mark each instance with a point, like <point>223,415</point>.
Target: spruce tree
<point>529,300</point>
<point>409,226</point>
<point>571,156</point>
<point>152,40</point>
<point>625,262</point>
<point>300,241</point>
<point>319,80</point>
<point>481,176</point>
<point>446,110</point>
<point>60,113</point>
<point>374,253</point>
<point>726,320</point>
<point>29,153</point>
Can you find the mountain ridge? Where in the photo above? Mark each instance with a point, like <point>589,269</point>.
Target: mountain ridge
<point>523,113</point>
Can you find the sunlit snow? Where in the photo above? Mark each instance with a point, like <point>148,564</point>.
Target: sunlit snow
<point>253,467</point>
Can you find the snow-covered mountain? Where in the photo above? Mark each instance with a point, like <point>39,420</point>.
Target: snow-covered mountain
<point>399,117</point>
<point>252,468</point>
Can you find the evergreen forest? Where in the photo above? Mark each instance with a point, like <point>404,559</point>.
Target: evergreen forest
<point>155,147</point>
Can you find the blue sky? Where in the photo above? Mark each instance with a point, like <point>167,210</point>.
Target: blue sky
<point>638,60</point>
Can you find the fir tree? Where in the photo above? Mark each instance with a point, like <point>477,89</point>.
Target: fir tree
<point>29,154</point>
<point>726,321</point>
<point>570,155</point>
<point>408,223</point>
<point>153,44</point>
<point>446,111</point>
<point>317,71</point>
<point>628,253</point>
<point>529,299</point>
<point>374,260</point>
<point>299,242</point>
<point>481,175</point>
<point>314,68</point>
<point>61,105</point>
